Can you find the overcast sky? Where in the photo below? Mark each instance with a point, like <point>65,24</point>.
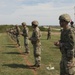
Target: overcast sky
<point>45,11</point>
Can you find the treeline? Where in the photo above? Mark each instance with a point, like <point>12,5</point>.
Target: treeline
<point>3,28</point>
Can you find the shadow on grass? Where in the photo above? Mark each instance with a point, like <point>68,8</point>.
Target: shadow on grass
<point>55,47</point>
<point>19,66</point>
<point>11,46</point>
<point>11,53</point>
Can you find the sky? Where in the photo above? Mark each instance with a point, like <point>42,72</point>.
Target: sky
<point>46,12</point>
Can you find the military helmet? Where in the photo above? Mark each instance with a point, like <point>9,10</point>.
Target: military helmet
<point>35,23</point>
<point>23,23</point>
<point>16,25</point>
<point>65,17</point>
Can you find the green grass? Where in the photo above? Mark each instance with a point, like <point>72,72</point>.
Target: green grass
<point>13,63</point>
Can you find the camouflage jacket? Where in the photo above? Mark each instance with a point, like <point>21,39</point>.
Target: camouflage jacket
<point>35,38</point>
<point>17,31</point>
<point>25,31</point>
<point>49,30</point>
<point>67,43</point>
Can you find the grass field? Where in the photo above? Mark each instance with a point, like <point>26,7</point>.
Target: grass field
<point>14,62</point>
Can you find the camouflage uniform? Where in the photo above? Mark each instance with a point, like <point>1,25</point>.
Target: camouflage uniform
<point>35,40</point>
<point>49,33</point>
<point>25,35</point>
<point>12,33</point>
<point>16,33</point>
<point>67,64</point>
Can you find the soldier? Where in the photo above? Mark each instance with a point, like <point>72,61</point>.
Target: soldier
<point>25,35</point>
<point>35,40</point>
<point>17,33</point>
<point>66,45</point>
<point>49,33</point>
<point>12,33</point>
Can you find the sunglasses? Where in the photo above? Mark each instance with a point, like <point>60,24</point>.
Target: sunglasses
<point>62,21</point>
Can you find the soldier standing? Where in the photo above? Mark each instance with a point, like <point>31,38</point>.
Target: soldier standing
<point>35,40</point>
<point>17,33</point>
<point>49,33</point>
<point>25,35</point>
<point>66,45</point>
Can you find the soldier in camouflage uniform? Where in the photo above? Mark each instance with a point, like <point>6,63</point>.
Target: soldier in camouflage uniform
<point>25,35</point>
<point>49,33</point>
<point>35,40</point>
<point>17,33</point>
<point>66,45</point>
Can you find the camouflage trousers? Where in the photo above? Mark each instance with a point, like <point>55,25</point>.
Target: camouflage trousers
<point>17,40</point>
<point>26,44</point>
<point>48,36</point>
<point>37,53</point>
<point>67,67</point>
